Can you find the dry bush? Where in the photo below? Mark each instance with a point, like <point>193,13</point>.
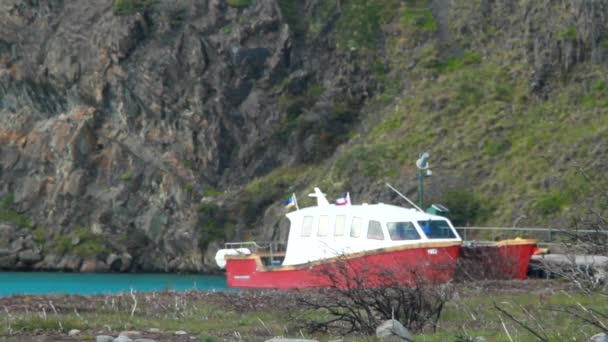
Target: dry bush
<point>362,297</point>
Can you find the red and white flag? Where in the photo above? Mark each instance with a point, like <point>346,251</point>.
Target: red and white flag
<point>343,200</point>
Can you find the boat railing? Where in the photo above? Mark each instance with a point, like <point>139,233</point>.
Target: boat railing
<point>271,248</point>
<point>545,236</point>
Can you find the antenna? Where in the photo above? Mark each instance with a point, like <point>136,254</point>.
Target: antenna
<point>403,196</point>
<point>321,200</point>
<point>423,162</point>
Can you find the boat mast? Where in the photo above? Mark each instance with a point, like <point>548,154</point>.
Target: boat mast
<point>403,196</point>
<point>321,200</point>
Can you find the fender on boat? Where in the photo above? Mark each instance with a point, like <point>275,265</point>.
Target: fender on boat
<point>220,259</point>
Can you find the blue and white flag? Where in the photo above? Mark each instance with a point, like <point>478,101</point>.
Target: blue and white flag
<point>291,202</point>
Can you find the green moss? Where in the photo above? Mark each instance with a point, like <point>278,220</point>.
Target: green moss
<point>420,17</point>
<point>457,63</point>
<point>292,11</point>
<point>214,224</point>
<point>373,161</point>
<point>270,189</point>
<point>62,244</point>
<point>597,96</point>
<point>127,175</point>
<point>466,207</point>
<point>568,34</point>
<point>321,17</point>
<point>238,3</point>
<point>228,29</point>
<point>89,245</point>
<point>551,203</point>
<point>212,192</point>
<point>128,7</point>
<point>361,21</point>
<point>40,235</point>
<point>8,213</point>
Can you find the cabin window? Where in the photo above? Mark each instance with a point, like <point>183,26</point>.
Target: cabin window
<point>355,227</point>
<point>374,230</point>
<point>340,224</point>
<point>307,226</point>
<point>437,229</point>
<point>399,231</point>
<point>323,225</point>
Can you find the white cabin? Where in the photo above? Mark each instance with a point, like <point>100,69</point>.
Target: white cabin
<point>329,230</point>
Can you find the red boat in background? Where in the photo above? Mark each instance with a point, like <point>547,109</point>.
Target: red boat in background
<point>506,259</point>
<point>343,245</point>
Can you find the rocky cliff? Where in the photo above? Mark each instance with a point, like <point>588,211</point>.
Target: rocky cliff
<point>137,134</point>
<point>118,118</point>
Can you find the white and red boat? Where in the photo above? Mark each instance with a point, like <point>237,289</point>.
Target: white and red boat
<point>333,245</point>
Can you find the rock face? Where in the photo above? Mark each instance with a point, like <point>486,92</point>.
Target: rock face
<point>117,124</point>
<point>128,134</point>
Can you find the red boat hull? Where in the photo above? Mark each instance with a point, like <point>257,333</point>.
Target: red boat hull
<point>508,259</point>
<point>430,262</point>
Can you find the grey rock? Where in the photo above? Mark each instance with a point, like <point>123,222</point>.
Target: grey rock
<point>601,337</point>
<point>49,263</point>
<point>144,340</point>
<point>29,256</point>
<point>154,330</point>
<point>132,334</point>
<point>119,263</point>
<point>392,330</point>
<point>8,262</point>
<point>104,338</point>
<point>7,234</point>
<point>97,266</point>
<point>283,339</point>
<point>180,332</point>
<point>122,338</point>
<point>74,332</point>
<point>18,244</point>
<point>70,263</point>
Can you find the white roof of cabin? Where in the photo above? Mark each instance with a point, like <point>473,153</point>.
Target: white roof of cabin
<point>301,249</point>
<point>379,212</point>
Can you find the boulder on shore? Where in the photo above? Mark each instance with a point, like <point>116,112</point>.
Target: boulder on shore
<point>393,331</point>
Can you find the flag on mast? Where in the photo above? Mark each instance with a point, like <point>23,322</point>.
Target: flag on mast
<point>292,201</point>
<point>344,200</point>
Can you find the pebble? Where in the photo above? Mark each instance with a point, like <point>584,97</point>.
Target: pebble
<point>132,334</point>
<point>601,337</point>
<point>104,338</point>
<point>123,338</point>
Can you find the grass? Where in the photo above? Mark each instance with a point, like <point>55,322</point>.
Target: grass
<point>477,316</point>
<point>260,315</point>
<point>361,21</point>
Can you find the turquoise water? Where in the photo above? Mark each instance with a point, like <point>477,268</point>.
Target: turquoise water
<point>12,283</point>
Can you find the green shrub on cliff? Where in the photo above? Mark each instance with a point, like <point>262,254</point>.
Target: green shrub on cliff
<point>8,213</point>
<point>213,224</point>
<point>81,242</point>
<point>238,3</point>
<point>127,7</point>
